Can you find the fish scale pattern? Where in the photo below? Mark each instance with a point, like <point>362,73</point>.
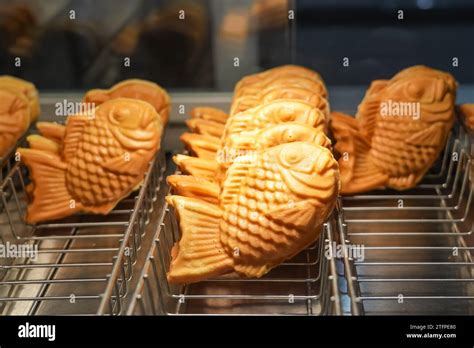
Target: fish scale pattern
<point>88,178</point>
<point>405,157</point>
<point>246,233</point>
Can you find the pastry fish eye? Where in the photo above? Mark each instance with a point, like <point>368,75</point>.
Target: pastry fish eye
<point>291,156</point>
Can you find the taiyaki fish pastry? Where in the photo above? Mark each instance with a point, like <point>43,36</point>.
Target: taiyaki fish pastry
<point>286,92</point>
<point>275,112</point>
<point>267,212</point>
<point>399,130</point>
<point>27,89</point>
<point>315,85</point>
<point>265,77</point>
<point>209,114</point>
<point>147,91</point>
<point>207,175</point>
<point>18,109</point>
<point>102,159</point>
<point>285,82</point>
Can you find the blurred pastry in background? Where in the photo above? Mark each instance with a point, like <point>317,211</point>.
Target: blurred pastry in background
<point>19,107</point>
<point>17,25</point>
<point>29,91</point>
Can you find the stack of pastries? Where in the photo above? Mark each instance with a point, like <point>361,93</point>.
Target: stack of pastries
<point>98,157</point>
<point>261,180</point>
<point>19,107</point>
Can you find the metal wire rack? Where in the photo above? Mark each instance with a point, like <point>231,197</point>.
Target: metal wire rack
<point>306,285</point>
<point>417,244</point>
<point>80,265</point>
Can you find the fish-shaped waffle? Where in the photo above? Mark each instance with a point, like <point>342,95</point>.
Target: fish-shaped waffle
<point>134,89</point>
<point>394,150</point>
<point>27,89</point>
<point>265,77</point>
<point>147,91</point>
<point>15,117</point>
<point>207,175</point>
<point>269,210</point>
<point>272,93</point>
<point>275,112</point>
<point>315,85</point>
<point>102,160</point>
<point>285,82</point>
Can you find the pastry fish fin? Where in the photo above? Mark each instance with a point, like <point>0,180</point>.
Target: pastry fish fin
<point>73,135</point>
<point>40,142</point>
<point>207,127</point>
<point>209,113</point>
<point>129,163</point>
<point>51,199</point>
<point>190,186</point>
<point>198,167</point>
<point>199,254</point>
<point>52,131</point>
<point>431,136</point>
<point>357,172</point>
<point>204,146</point>
<point>299,214</point>
<point>233,182</point>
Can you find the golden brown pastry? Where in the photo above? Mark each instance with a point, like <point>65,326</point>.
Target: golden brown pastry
<point>194,187</point>
<point>147,91</point>
<point>275,112</point>
<point>210,114</point>
<point>203,146</point>
<point>15,117</point>
<point>102,160</point>
<point>315,85</point>
<point>400,128</point>
<point>272,113</point>
<point>27,89</point>
<point>240,147</point>
<point>278,72</point>
<point>273,93</point>
<point>268,211</point>
<point>195,166</point>
<point>206,127</point>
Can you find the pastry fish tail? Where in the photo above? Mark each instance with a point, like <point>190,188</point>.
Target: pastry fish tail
<point>210,113</point>
<point>52,131</point>
<point>199,255</point>
<point>206,127</point>
<point>357,172</point>
<point>50,197</point>
<point>198,167</point>
<point>204,146</point>
<point>190,186</point>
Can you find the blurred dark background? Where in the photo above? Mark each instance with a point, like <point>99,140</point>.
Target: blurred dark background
<point>210,44</point>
